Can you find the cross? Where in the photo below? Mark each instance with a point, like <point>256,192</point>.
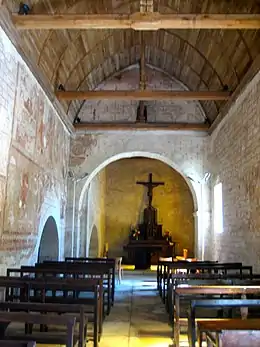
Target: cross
<point>150,185</point>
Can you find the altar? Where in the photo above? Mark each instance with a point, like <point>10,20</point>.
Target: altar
<point>146,241</point>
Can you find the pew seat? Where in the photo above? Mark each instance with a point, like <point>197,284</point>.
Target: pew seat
<point>7,319</point>
<point>13,343</point>
<point>214,327</point>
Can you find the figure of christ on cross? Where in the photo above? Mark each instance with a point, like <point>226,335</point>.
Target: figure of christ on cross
<point>150,185</point>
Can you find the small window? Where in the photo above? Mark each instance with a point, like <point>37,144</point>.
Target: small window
<point>218,209</point>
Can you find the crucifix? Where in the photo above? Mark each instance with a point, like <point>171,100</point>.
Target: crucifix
<point>150,185</point>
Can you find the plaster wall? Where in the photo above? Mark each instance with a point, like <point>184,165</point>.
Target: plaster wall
<point>234,160</point>
<point>126,110</point>
<point>125,202</point>
<point>33,162</point>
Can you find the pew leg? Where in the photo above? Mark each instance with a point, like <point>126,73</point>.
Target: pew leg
<point>217,339</point>
<point>200,338</point>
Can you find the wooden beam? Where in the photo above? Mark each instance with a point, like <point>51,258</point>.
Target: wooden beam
<point>141,126</point>
<point>146,95</point>
<point>137,21</point>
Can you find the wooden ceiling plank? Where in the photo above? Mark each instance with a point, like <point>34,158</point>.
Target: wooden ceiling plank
<point>138,21</point>
<point>141,127</point>
<point>146,95</point>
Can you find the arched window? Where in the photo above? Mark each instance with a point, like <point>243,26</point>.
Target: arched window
<point>218,209</point>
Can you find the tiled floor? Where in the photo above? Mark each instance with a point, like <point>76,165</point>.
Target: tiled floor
<point>138,318</point>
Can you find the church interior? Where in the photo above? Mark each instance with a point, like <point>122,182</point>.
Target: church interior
<point>129,173</point>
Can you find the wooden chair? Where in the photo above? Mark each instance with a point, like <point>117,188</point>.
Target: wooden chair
<point>119,269</point>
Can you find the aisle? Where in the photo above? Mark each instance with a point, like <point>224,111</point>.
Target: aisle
<point>138,318</point>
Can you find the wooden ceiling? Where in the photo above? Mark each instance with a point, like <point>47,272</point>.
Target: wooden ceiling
<point>200,59</point>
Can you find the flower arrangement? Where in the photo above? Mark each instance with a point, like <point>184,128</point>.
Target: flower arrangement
<point>135,233</point>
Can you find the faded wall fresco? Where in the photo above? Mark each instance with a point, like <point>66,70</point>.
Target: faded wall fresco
<point>33,159</point>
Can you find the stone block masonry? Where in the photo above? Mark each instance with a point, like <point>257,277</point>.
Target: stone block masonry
<point>235,161</point>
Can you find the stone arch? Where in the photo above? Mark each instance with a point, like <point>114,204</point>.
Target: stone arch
<point>49,243</point>
<point>194,187</point>
<point>93,242</point>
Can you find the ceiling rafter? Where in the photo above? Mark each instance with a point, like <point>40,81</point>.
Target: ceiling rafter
<point>168,32</point>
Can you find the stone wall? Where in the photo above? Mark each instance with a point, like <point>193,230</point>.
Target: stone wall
<point>33,161</point>
<point>96,214</point>
<point>125,202</point>
<point>235,158</point>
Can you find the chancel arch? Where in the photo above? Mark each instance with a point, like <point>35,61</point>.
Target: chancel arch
<point>49,243</point>
<point>193,187</point>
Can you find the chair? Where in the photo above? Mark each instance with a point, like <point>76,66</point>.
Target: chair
<point>119,269</point>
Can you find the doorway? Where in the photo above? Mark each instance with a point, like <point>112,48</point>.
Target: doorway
<point>93,243</point>
<point>49,244</point>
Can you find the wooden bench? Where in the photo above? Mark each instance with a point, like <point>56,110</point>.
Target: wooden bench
<point>202,266</point>
<point>110,261</point>
<point>92,270</point>
<point>68,274</point>
<point>218,325</point>
<point>194,292</point>
<point>221,269</point>
<point>56,291</point>
<point>68,339</point>
<point>162,269</point>
<point>10,343</point>
<point>204,279</point>
<point>78,312</point>
<point>210,327</point>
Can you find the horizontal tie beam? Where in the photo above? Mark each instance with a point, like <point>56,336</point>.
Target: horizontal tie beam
<point>89,127</point>
<point>146,95</point>
<point>137,21</point>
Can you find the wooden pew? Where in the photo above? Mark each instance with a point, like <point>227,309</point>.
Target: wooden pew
<point>199,279</point>
<point>78,312</point>
<point>218,325</point>
<point>193,292</point>
<point>74,272</point>
<point>162,265</point>
<point>37,289</point>
<point>110,261</point>
<point>168,268</point>
<point>13,343</point>
<point>92,270</point>
<point>7,317</point>
<point>225,269</point>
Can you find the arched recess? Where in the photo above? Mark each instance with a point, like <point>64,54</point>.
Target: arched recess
<point>49,243</point>
<point>193,186</point>
<point>93,243</point>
